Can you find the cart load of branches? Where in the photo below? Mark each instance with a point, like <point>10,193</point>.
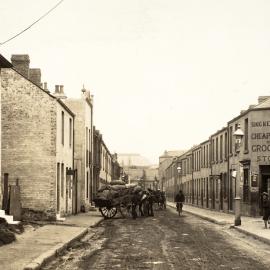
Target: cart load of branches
<point>115,193</point>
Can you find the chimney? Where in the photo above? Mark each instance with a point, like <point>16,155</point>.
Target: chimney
<point>21,63</point>
<point>262,98</point>
<point>35,76</point>
<point>59,92</point>
<point>56,91</point>
<point>45,87</point>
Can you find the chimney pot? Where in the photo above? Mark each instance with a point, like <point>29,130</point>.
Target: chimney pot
<point>56,89</point>
<point>62,89</point>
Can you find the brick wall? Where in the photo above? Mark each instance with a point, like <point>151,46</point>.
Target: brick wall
<point>29,140</point>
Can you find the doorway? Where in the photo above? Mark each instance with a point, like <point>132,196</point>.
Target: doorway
<point>264,181</point>
<point>221,190</point>
<point>230,191</point>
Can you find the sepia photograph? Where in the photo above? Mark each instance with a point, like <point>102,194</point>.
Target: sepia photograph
<point>135,134</point>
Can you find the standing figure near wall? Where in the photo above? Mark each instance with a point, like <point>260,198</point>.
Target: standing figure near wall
<point>266,208</point>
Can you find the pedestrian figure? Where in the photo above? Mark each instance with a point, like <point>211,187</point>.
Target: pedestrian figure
<point>179,199</point>
<point>266,208</point>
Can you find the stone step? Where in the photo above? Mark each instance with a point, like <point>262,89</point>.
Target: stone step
<point>8,218</point>
<point>59,218</point>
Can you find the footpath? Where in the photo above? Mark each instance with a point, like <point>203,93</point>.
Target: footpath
<point>36,246</point>
<point>250,226</point>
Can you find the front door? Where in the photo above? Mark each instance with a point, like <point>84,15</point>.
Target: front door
<point>74,193</point>
<point>221,190</point>
<point>207,193</point>
<point>264,181</point>
<point>230,191</point>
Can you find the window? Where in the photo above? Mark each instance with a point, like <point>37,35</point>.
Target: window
<point>86,138</point>
<point>63,127</point>
<point>231,137</point>
<point>216,148</point>
<point>221,147</point>
<point>70,132</point>
<point>246,134</point>
<point>199,160</point>
<point>213,151</point>
<point>207,156</point>
<point>226,145</point>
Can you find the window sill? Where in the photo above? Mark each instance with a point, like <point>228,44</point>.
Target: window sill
<point>246,152</point>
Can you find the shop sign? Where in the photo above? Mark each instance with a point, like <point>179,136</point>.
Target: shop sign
<point>260,139</point>
<point>254,180</point>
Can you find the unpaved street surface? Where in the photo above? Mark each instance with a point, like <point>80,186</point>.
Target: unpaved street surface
<point>165,241</point>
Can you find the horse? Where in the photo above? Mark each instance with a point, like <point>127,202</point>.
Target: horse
<point>144,200</point>
<point>159,198</point>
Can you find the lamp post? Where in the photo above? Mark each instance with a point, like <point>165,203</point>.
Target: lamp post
<point>179,169</point>
<point>238,135</point>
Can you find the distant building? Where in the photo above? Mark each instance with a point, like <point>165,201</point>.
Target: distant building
<point>132,159</point>
<point>105,175</point>
<point>164,161</point>
<point>139,170</point>
<point>116,168</point>
<point>37,142</point>
<point>97,139</point>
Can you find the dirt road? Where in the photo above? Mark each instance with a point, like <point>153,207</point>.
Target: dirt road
<point>164,242</point>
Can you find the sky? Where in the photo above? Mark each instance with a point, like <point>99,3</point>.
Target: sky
<point>165,74</point>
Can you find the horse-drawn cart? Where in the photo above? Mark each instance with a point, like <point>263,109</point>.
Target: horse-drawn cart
<point>113,198</point>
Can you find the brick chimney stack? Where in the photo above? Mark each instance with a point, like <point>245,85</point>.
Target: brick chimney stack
<point>35,76</point>
<point>21,63</point>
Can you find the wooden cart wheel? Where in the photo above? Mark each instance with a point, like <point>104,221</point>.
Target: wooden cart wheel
<point>108,212</point>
